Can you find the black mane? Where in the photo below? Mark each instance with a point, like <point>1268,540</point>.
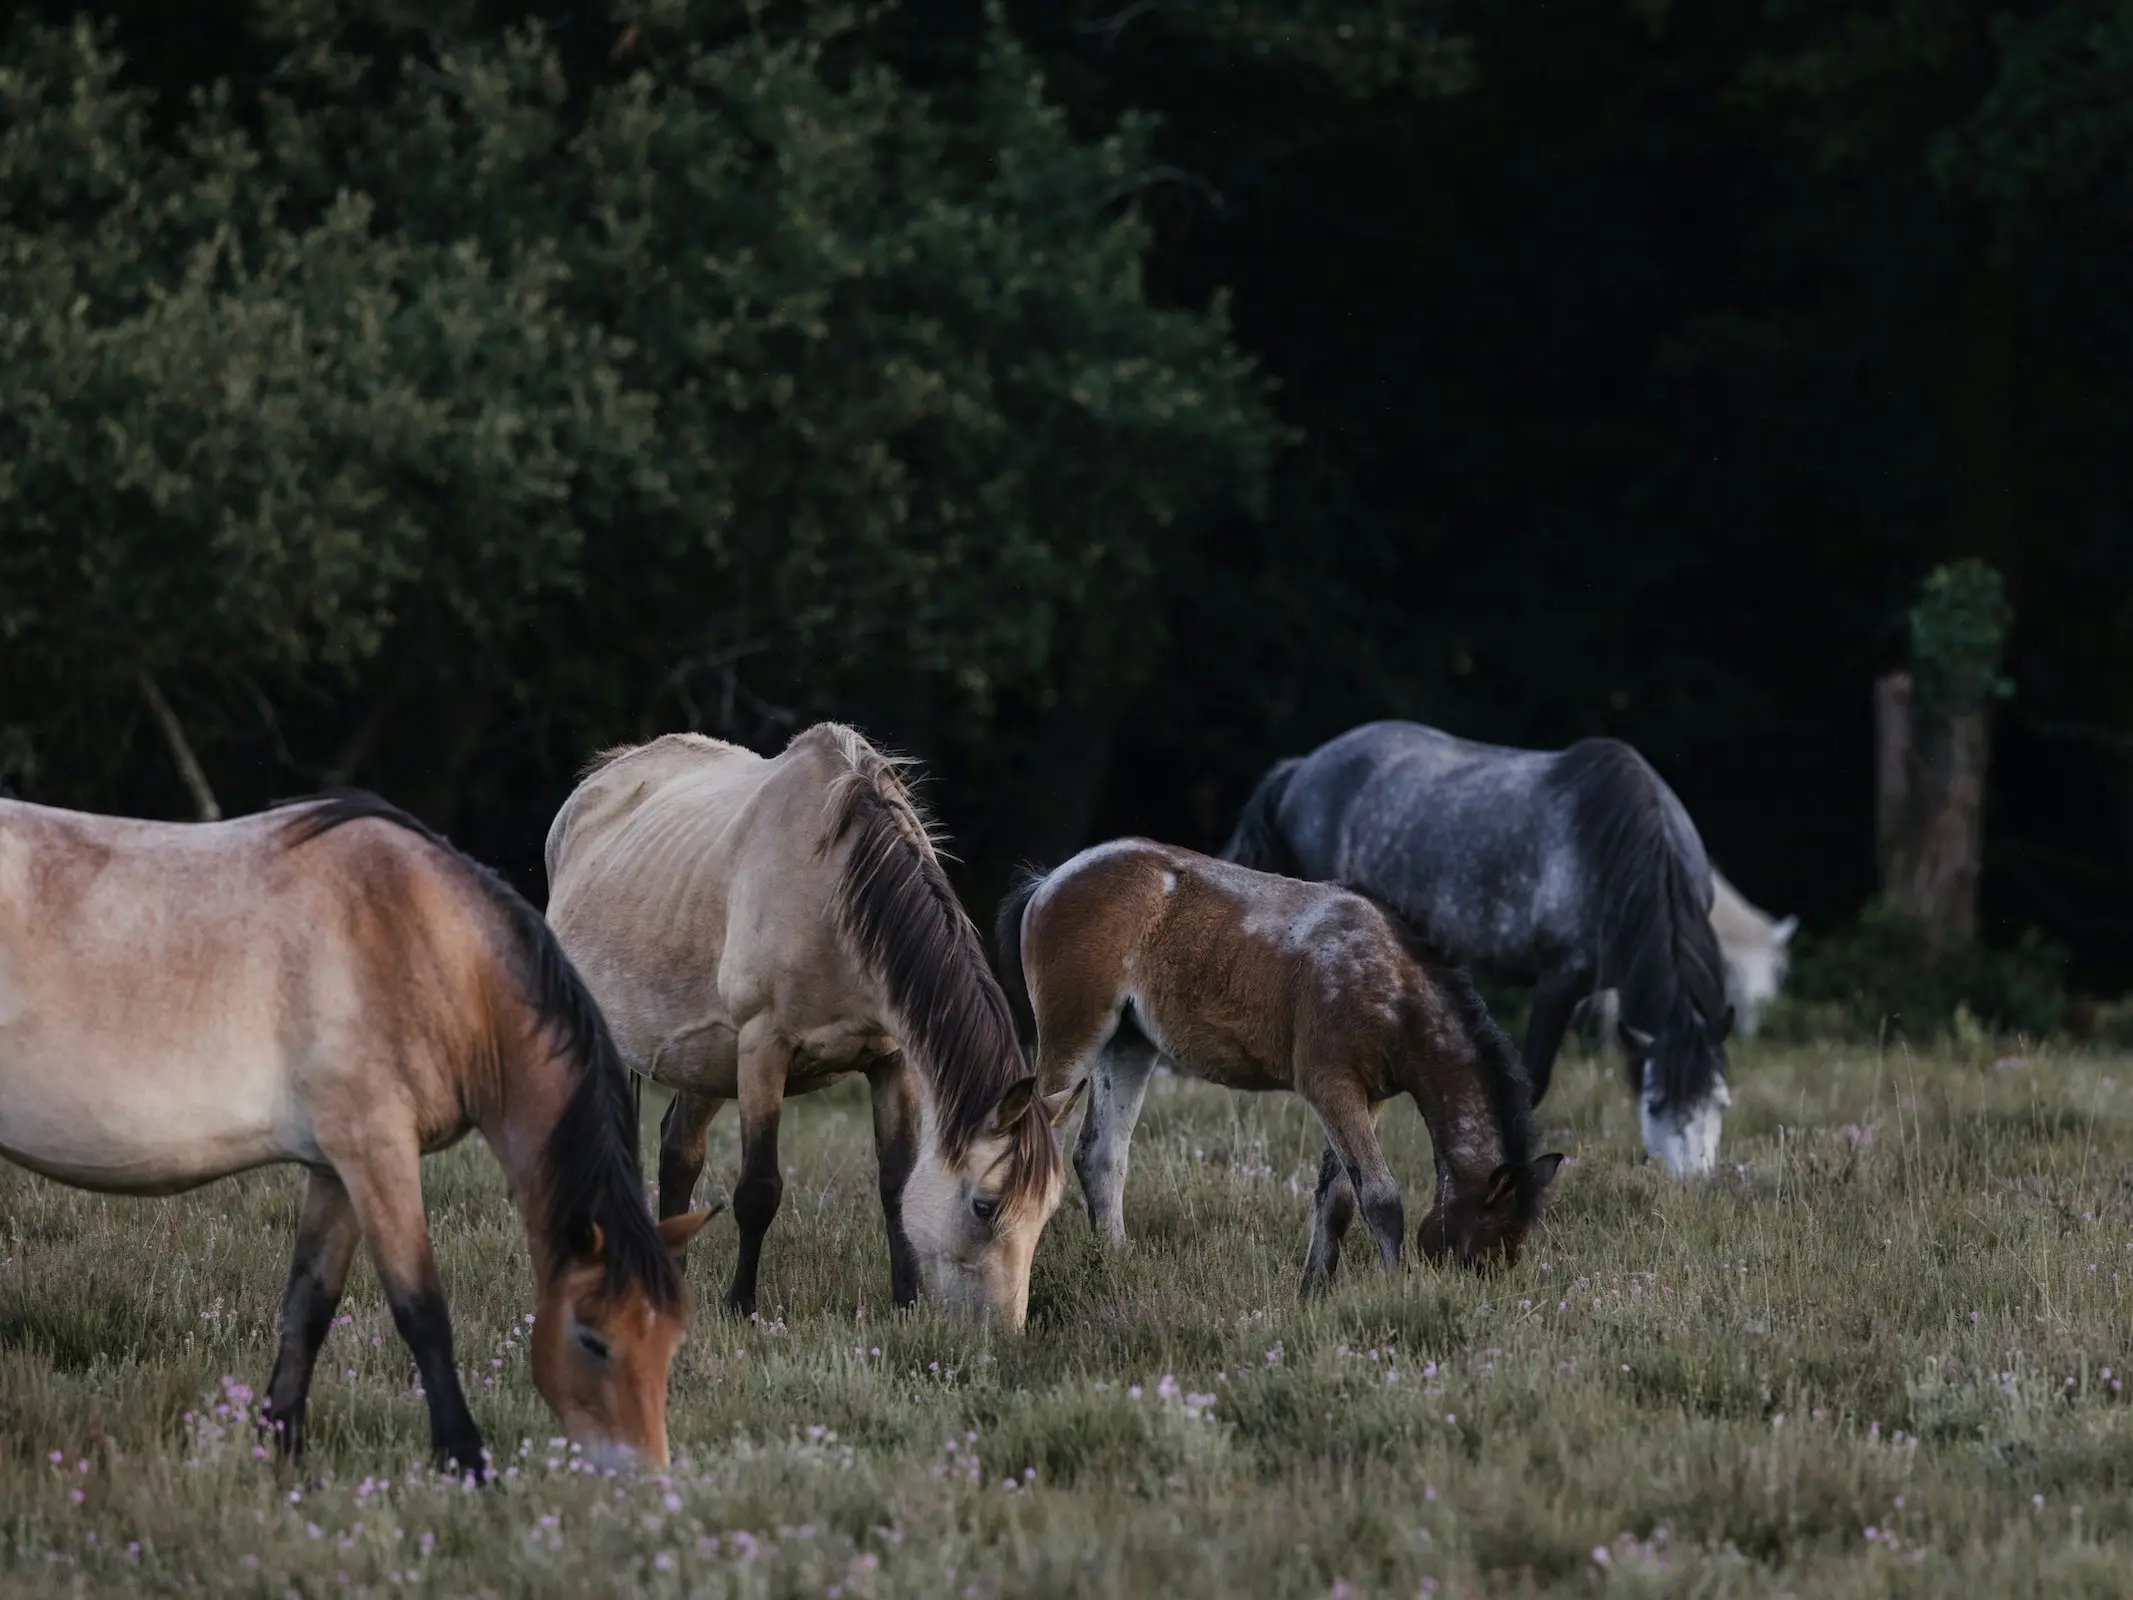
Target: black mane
<point>1503,1070</point>
<point>590,1159</point>
<point>902,916</point>
<point>1656,945</point>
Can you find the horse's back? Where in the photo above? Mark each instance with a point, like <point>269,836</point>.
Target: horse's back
<point>171,993</point>
<point>687,882</point>
<point>1222,964</point>
<point>1469,840</point>
<point>1754,945</point>
<point>1740,923</point>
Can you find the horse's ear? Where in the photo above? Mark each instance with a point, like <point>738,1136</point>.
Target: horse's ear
<point>1014,1105</point>
<point>1781,934</point>
<point>588,1243</point>
<point>1502,1189</point>
<point>1058,1107</point>
<point>1544,1167</point>
<point>1635,1040</point>
<point>1724,1030</point>
<point>676,1232</point>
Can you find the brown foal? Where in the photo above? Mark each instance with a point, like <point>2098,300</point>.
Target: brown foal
<point>1135,951</point>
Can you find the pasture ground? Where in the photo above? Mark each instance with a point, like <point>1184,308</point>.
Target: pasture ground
<point>1879,1353</point>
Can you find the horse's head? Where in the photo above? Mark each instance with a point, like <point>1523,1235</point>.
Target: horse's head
<point>974,1219</point>
<point>1681,1087</point>
<point>1487,1228</point>
<point>600,1356</point>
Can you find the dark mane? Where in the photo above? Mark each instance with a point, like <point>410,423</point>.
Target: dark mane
<point>905,923</point>
<point>1656,945</point>
<point>590,1159</point>
<point>1503,1070</point>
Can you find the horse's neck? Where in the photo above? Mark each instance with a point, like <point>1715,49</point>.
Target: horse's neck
<point>1463,1123</point>
<point>936,1078</point>
<point>517,1122</point>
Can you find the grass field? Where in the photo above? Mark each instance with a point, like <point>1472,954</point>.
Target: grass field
<point>1880,1353</point>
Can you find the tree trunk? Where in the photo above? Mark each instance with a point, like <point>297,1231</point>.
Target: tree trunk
<point>1929,809</point>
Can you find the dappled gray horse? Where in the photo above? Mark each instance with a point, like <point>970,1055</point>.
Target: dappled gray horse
<point>1572,870</point>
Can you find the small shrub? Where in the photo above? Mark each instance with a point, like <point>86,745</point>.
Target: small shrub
<point>1884,969</point>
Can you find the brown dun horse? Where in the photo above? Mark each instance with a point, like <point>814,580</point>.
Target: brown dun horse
<point>330,983</point>
<point>758,928</point>
<point>1135,951</point>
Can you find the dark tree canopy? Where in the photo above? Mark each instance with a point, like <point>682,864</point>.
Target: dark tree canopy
<point>1096,399</point>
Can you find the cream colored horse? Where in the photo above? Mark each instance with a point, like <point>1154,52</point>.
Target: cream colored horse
<point>757,928</point>
<point>331,984</point>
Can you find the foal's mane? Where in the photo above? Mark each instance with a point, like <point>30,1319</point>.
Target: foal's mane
<point>896,906</point>
<point>590,1159</point>
<point>1656,943</point>
<point>1503,1070</point>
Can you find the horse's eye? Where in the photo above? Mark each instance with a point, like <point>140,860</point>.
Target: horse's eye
<point>592,1344</point>
<point>984,1209</point>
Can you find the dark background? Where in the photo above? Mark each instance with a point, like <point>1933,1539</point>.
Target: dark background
<point>1642,359</point>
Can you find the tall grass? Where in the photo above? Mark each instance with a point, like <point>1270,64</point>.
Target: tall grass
<point>1881,1352</point>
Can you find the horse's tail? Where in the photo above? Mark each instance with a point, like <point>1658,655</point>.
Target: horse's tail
<point>591,1157</point>
<point>1007,944</point>
<point>1257,842</point>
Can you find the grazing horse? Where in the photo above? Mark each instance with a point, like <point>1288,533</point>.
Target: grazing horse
<point>330,983</point>
<point>1134,950</point>
<point>756,928</point>
<point>1755,947</point>
<point>1572,870</point>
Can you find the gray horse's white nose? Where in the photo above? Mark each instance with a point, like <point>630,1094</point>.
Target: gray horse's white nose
<point>1685,1141</point>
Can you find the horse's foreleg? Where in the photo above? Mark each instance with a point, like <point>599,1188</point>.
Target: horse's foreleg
<point>1354,1162</point>
<point>684,1137</point>
<point>1554,999</point>
<point>1118,1089</point>
<point>763,1064</point>
<point>895,1154</point>
<point>326,1238</point>
<point>383,1177</point>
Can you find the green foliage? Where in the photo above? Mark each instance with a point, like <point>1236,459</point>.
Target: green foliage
<point>432,385</point>
<point>1958,637</point>
<point>2055,131</point>
<point>1884,971</point>
<point>1361,49</point>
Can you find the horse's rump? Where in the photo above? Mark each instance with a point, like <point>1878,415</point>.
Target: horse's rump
<point>1257,841</point>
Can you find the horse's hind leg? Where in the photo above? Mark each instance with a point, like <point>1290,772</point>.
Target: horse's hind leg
<point>684,1137</point>
<point>383,1178</point>
<point>763,1065</point>
<point>326,1238</point>
<point>895,1154</point>
<point>1353,1163</point>
<point>1118,1088</point>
